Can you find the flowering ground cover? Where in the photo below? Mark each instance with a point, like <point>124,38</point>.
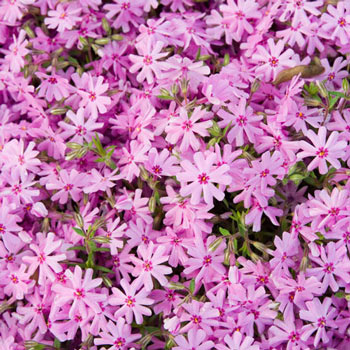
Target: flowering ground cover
<point>175,174</point>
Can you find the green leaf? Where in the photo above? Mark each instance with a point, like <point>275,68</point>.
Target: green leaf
<point>192,285</point>
<point>166,97</point>
<point>224,232</point>
<point>78,247</point>
<point>97,142</point>
<point>79,231</point>
<point>336,93</point>
<point>297,178</point>
<point>57,344</point>
<point>333,101</point>
<point>103,269</point>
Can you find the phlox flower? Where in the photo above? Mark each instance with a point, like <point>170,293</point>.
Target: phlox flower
<point>149,265</point>
<point>244,124</point>
<point>53,86</point>
<point>139,233</point>
<point>272,60</point>
<point>333,263</point>
<point>131,302</point>
<point>64,17</point>
<point>68,183</point>
<point>196,340</point>
<point>161,164</point>
<point>185,126</point>
<point>204,262</point>
<point>101,181</point>
<point>16,282</point>
<point>148,61</point>
<point>93,100</point>
<point>16,52</point>
<point>47,263</point>
<point>238,16</point>
<point>80,292</point>
<point>238,342</point>
<point>118,335</point>
<point>17,157</point>
<point>201,176</point>
<point>321,315</point>
<point>81,129</point>
<point>299,9</point>
<point>323,150</point>
<point>115,232</point>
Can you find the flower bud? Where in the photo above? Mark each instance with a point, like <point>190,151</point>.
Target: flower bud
<point>346,86</point>
<point>102,239</point>
<point>105,25</point>
<point>58,111</point>
<point>117,37</point>
<point>322,89</point>
<point>107,282</point>
<point>215,244</point>
<point>102,41</point>
<point>79,220</point>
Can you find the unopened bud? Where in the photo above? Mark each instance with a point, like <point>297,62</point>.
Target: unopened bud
<point>255,86</point>
<point>58,111</point>
<point>117,37</point>
<point>152,204</point>
<point>83,41</point>
<point>102,239</point>
<point>176,286</point>
<point>322,89</point>
<point>105,25</point>
<point>102,41</point>
<point>144,173</point>
<point>304,263</point>
<point>260,246</point>
<point>29,31</point>
<point>346,86</point>
<point>311,102</point>
<point>79,220</point>
<point>107,282</point>
<point>227,255</point>
<point>73,145</point>
<point>215,244</point>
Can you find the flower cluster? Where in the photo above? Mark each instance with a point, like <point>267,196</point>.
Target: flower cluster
<point>175,174</point>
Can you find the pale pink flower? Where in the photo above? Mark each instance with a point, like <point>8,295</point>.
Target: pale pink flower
<point>148,61</point>
<point>64,17</point>
<point>238,342</point>
<point>196,340</point>
<point>323,150</point>
<point>185,127</point>
<point>48,264</point>
<point>131,302</point>
<point>161,164</point>
<point>149,265</point>
<point>11,11</point>
<point>201,178</point>
<point>83,130</point>
<point>94,100</point>
<point>80,291</point>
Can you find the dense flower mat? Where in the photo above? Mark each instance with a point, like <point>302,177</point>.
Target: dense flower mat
<point>174,174</point>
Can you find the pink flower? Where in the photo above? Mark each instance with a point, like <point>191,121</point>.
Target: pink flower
<point>118,335</point>
<point>68,183</point>
<point>196,340</point>
<point>99,182</point>
<point>148,61</point>
<point>161,164</point>
<point>150,266</point>
<point>184,127</point>
<point>81,129</point>
<point>93,99</point>
<point>238,342</point>
<point>320,316</point>
<point>53,86</point>
<point>299,10</point>
<point>16,52</point>
<point>131,302</point>
<point>11,11</point>
<point>48,265</point>
<point>333,262</point>
<point>243,122</point>
<point>201,176</point>
<point>14,156</point>
<point>238,17</point>
<point>80,292</point>
<point>272,61</point>
<point>323,150</point>
<point>64,17</point>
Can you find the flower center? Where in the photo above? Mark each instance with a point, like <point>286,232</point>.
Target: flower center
<point>331,76</point>
<point>196,319</point>
<point>148,265</point>
<point>242,120</point>
<point>125,5</point>
<point>92,96</point>
<point>147,60</point>
<point>16,189</point>
<point>239,15</point>
<point>273,61</point>
<point>68,187</point>
<point>80,130</point>
<point>329,268</point>
<point>264,173</point>
<point>294,336</point>
<point>130,302</point>
<point>79,293</point>
<point>322,152</point>
<point>342,21</point>
<point>203,178</point>
<point>187,125</point>
<point>14,279</point>
<point>301,115</point>
<point>41,258</point>
<point>21,160</point>
<point>157,169</point>
<point>334,211</point>
<point>119,342</point>
<point>207,260</point>
<point>321,322</point>
<point>2,228</point>
<point>52,80</point>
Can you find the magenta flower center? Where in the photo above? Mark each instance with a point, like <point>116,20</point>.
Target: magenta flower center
<point>129,301</point>
<point>21,160</point>
<point>346,236</point>
<point>273,61</point>
<point>79,293</point>
<point>78,318</point>
<point>334,211</point>
<point>14,279</point>
<point>322,152</point>
<point>80,130</point>
<point>239,15</point>
<point>52,80</point>
<point>299,4</point>
<point>157,169</point>
<point>68,187</point>
<point>321,322</point>
<point>203,178</point>
<point>264,173</point>
<point>2,229</point>
<point>41,258</point>
<point>207,260</point>
<point>294,336</point>
<point>331,76</point>
<point>147,60</point>
<point>119,342</point>
<point>92,96</point>
<point>148,265</point>
<point>187,125</point>
<point>16,189</point>
<point>242,120</point>
<point>196,319</point>
<point>145,239</point>
<point>342,21</point>
<point>125,5</point>
<point>170,295</point>
<point>300,115</point>
<point>329,268</point>
<point>116,261</point>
